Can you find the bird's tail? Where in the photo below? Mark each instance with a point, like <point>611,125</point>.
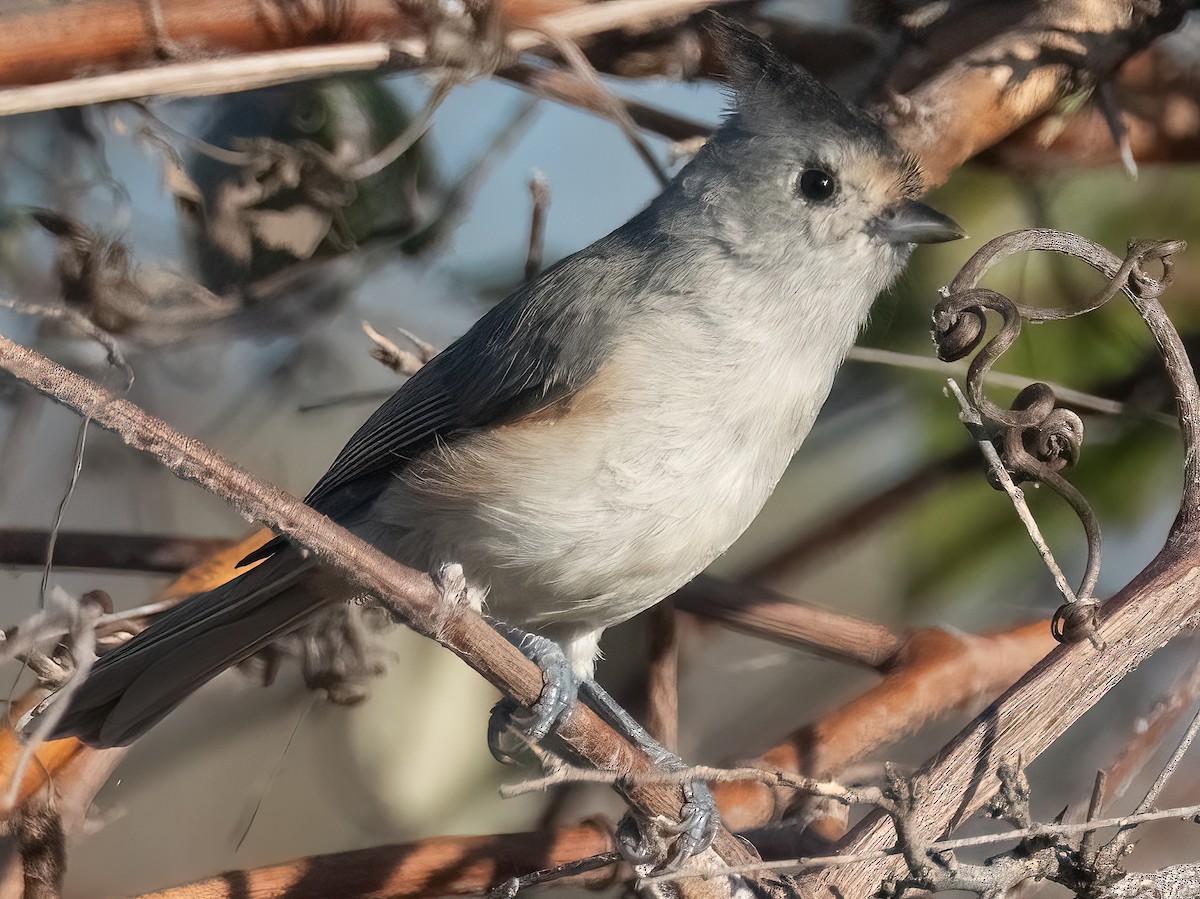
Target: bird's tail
<point>133,687</point>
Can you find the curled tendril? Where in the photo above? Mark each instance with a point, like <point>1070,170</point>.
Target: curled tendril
<point>1046,439</point>
<point>1035,438</point>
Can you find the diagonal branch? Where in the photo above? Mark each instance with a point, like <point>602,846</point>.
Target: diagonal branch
<point>408,594</point>
<point>1156,606</point>
<point>443,866</point>
<point>985,94</point>
<point>934,673</point>
<point>764,613</point>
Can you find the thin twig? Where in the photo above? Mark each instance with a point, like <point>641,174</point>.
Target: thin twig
<point>1087,846</point>
<point>1169,768</point>
<point>80,322</point>
<point>402,362</point>
<point>1152,730</point>
<point>61,615</point>
<point>61,510</point>
<point>116,359</point>
<point>1016,835</point>
<point>154,123</point>
<point>973,421</point>
<point>201,79</point>
<point>115,620</point>
<point>413,132</point>
<point>773,616</point>
<point>1077,398</point>
<point>539,195</point>
<point>610,103</point>
<point>509,888</point>
<point>563,773</point>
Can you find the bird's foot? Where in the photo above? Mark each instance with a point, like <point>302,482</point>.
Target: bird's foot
<point>560,688</point>
<point>662,846</point>
<point>655,843</point>
<point>644,841</point>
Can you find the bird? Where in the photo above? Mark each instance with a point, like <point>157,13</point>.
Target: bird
<point>605,432</point>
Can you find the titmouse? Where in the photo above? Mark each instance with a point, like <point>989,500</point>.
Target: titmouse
<point>609,429</point>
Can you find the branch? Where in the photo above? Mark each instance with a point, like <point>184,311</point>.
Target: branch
<point>199,79</point>
<point>987,93</point>
<point>764,613</point>
<point>1158,101</point>
<point>662,676</point>
<point>864,859</point>
<point>408,594</point>
<point>122,552</point>
<point>44,50</point>
<point>934,673</point>
<point>443,866</point>
<point>1154,728</point>
<point>1151,610</point>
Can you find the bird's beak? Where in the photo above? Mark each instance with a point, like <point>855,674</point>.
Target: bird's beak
<point>913,222</point>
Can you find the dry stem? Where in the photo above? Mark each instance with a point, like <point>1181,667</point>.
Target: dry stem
<point>971,418</point>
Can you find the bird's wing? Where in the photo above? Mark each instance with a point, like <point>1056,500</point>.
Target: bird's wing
<point>534,349</point>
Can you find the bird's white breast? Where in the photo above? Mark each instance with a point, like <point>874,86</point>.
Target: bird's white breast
<point>579,518</point>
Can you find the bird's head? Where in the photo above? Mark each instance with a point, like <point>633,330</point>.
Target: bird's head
<point>796,170</point>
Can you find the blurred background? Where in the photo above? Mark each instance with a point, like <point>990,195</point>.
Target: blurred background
<point>241,314</point>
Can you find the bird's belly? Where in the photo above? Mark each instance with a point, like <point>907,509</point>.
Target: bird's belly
<point>569,527</point>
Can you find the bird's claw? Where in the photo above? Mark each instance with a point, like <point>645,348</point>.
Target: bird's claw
<point>560,688</point>
<point>642,842</point>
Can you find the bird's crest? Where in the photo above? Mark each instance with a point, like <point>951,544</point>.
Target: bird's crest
<point>766,85</point>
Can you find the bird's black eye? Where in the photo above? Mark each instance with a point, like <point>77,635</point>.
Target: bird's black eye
<point>816,185</point>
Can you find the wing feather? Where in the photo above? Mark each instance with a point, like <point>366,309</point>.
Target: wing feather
<point>533,350</point>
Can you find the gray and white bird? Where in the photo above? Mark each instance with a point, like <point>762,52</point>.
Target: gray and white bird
<point>609,429</point>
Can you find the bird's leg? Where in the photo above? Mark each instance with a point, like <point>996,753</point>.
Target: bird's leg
<point>639,840</point>
<point>560,687</point>
<point>699,819</point>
